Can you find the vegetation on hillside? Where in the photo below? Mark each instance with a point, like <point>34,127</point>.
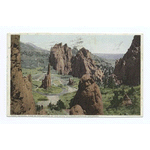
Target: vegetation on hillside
<point>33,56</point>
<point>112,100</point>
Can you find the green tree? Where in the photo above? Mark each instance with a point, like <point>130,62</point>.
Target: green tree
<point>116,101</point>
<point>60,105</point>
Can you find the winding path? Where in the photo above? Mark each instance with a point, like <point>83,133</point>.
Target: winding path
<point>53,98</point>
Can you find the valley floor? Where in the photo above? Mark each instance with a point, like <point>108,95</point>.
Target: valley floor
<point>51,96</point>
<point>56,100</point>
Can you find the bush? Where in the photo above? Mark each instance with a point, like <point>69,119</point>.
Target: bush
<point>131,91</point>
<point>51,106</point>
<point>66,99</point>
<point>59,106</point>
<point>116,100</point>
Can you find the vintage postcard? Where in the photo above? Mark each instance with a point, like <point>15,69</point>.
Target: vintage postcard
<point>75,75</point>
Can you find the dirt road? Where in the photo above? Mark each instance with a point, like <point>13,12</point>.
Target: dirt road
<point>53,98</point>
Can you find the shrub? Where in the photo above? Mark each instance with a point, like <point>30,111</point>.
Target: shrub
<point>60,105</point>
<point>51,106</point>
<point>66,99</point>
<point>116,100</point>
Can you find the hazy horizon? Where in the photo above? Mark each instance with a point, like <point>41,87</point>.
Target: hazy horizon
<point>106,44</point>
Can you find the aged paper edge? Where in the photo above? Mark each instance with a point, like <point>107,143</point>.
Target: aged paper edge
<point>72,116</point>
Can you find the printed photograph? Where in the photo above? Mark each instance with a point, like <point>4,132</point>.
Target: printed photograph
<point>75,74</point>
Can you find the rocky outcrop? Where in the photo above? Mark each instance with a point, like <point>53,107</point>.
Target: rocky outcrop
<point>127,68</point>
<point>22,101</point>
<point>60,58</point>
<point>82,64</point>
<point>46,82</point>
<point>115,80</point>
<point>76,110</point>
<point>126,100</point>
<point>88,97</point>
<point>64,62</point>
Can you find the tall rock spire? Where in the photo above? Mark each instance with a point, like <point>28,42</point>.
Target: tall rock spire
<point>49,67</point>
<point>46,83</point>
<point>22,102</point>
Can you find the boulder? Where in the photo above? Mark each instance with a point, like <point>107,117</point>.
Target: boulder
<point>88,97</point>
<point>82,64</point>
<point>126,100</point>
<point>60,58</point>
<point>76,110</point>
<point>115,79</point>
<point>22,102</point>
<point>46,82</point>
<point>127,68</point>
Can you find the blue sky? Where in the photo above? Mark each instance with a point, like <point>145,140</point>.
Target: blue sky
<point>93,42</point>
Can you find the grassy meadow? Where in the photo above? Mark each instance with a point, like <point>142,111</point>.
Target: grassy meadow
<point>112,97</point>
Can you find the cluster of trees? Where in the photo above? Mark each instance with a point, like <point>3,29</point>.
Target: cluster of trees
<point>118,97</point>
<point>59,106</point>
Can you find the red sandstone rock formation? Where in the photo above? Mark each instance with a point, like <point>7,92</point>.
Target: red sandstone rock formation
<point>76,110</point>
<point>60,58</point>
<point>22,101</point>
<point>88,97</point>
<point>114,78</point>
<point>82,64</point>
<point>127,68</point>
<point>46,83</point>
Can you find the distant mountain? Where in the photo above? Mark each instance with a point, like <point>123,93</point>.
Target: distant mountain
<point>109,56</point>
<point>29,47</point>
<point>39,49</point>
<point>33,56</point>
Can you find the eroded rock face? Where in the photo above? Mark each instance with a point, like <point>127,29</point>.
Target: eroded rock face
<point>115,79</point>
<point>46,82</point>
<point>60,58</point>
<point>127,68</point>
<point>82,64</point>
<point>88,97</point>
<point>22,101</point>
